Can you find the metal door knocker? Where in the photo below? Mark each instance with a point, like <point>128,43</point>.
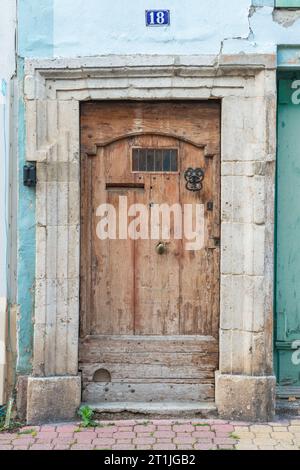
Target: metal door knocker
<point>194,178</point>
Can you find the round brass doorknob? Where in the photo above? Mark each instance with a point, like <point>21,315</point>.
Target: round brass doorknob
<point>160,248</point>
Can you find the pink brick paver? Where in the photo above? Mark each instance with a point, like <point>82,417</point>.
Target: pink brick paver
<point>156,434</point>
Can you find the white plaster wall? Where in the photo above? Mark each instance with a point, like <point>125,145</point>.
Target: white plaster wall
<point>93,27</point>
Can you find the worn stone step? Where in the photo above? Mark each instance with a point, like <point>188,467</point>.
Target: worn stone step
<point>157,409</point>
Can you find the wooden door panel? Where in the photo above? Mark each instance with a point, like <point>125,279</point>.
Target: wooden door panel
<point>177,367</point>
<point>157,277</point>
<point>163,306</point>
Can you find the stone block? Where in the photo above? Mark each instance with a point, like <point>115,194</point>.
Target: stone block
<point>51,399</point>
<point>245,397</point>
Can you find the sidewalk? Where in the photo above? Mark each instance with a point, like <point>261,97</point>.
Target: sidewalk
<point>158,435</point>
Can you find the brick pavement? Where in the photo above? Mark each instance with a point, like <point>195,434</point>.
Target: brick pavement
<point>160,434</point>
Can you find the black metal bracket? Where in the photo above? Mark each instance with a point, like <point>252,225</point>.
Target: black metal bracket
<point>194,178</point>
<point>29,175</point>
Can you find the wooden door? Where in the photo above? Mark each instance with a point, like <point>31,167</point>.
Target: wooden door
<point>287,333</point>
<point>149,306</point>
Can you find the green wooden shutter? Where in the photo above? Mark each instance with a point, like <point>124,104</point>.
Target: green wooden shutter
<point>287,332</point>
<point>287,3</point>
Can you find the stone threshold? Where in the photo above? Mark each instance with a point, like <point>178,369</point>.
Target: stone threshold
<point>154,409</point>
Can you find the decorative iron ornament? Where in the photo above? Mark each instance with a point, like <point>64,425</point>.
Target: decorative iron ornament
<point>194,178</point>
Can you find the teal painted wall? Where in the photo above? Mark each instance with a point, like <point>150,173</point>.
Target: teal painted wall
<point>288,229</point>
<point>35,39</point>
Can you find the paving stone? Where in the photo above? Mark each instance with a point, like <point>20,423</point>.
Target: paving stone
<point>8,436</point>
<point>205,446</point>
<point>120,435</point>
<point>158,435</point>
<point>203,434</point>
<point>183,428</point>
<point>66,428</point>
<point>109,430</point>
<point>82,447</point>
<point>162,434</point>
<point>261,428</point>
<point>48,428</point>
<point>264,442</point>
<point>225,447</point>
<point>294,428</point>
<point>128,422</point>
<point>46,435</point>
<point>164,428</point>
<point>85,436</point>
<point>223,427</point>
<point>225,440</point>
<point>184,440</point>
<point>123,441</point>
<point>125,428</point>
<point>144,440</point>
<point>29,428</point>
<point>103,442</point>
<point>23,442</point>
<point>123,447</point>
<point>280,429</point>
<point>282,436</point>
<point>144,428</point>
<point>164,446</point>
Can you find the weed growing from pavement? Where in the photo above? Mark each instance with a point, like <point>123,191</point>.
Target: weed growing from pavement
<point>32,432</point>
<point>86,414</point>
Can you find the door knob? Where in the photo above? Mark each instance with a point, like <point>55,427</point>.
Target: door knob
<point>160,248</point>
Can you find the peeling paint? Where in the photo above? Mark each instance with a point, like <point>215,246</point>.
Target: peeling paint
<point>286,18</point>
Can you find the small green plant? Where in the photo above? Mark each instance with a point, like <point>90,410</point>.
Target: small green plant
<point>234,436</point>
<point>201,424</point>
<point>13,426</point>
<point>32,432</point>
<point>86,414</point>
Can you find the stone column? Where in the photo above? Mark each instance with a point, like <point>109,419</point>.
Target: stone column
<point>245,385</point>
<point>54,390</point>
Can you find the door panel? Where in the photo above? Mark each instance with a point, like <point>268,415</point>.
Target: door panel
<point>287,334</point>
<point>149,317</point>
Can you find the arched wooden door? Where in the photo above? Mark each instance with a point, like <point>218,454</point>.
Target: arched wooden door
<point>149,300</point>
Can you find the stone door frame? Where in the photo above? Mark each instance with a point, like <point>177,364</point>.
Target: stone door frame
<point>246,85</point>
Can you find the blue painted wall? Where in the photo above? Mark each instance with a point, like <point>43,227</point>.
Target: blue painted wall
<point>35,39</point>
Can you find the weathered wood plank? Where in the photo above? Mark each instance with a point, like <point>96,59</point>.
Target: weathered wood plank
<point>91,345</point>
<point>114,392</point>
<point>125,370</point>
<point>203,359</point>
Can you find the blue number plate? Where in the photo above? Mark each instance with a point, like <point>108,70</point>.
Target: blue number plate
<point>157,17</point>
